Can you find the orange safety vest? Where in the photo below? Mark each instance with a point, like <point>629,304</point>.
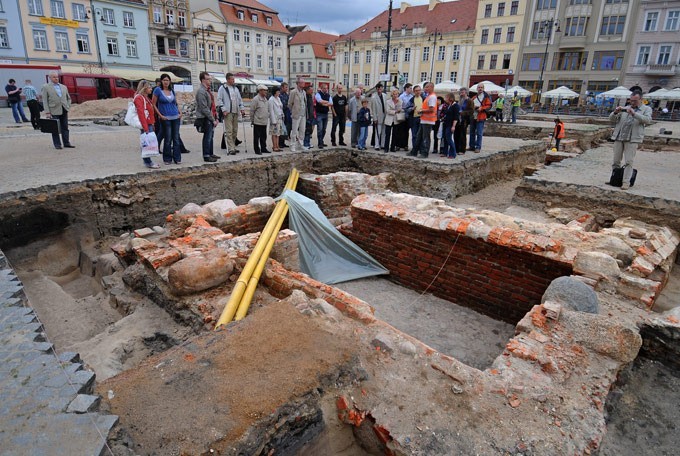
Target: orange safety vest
<point>560,134</point>
<point>429,117</point>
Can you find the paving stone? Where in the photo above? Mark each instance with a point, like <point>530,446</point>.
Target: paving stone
<point>84,403</point>
<point>85,379</point>
<point>69,357</point>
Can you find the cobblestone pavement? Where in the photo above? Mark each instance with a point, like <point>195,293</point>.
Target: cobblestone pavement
<point>46,406</point>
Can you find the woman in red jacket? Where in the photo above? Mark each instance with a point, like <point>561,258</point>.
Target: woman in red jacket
<point>145,112</point>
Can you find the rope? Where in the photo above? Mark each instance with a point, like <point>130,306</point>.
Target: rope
<point>438,272</point>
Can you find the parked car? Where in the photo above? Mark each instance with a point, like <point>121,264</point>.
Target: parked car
<point>85,86</point>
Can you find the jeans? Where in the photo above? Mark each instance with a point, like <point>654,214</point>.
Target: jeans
<point>17,110</point>
<point>63,125</point>
<point>514,114</point>
<point>338,122</point>
<point>207,142</point>
<point>34,107</point>
<point>449,142</point>
<point>479,134</point>
<point>309,129</point>
<point>473,134</point>
<point>557,143</point>
<point>354,134</point>
<point>414,123</point>
<point>260,139</point>
<point>363,134</point>
<point>422,141</point>
<point>321,124</point>
<point>170,133</point>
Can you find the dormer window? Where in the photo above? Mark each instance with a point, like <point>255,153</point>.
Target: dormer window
<point>241,15</point>
<point>253,17</point>
<point>269,21</point>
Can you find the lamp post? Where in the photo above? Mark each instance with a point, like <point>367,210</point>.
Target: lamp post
<point>547,28</point>
<point>349,42</point>
<point>437,34</point>
<point>389,36</point>
<point>202,28</point>
<point>271,43</point>
<point>95,13</point>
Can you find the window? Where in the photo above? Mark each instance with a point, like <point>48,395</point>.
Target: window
<point>356,56</point>
<point>456,52</point>
<point>269,21</point>
<point>172,46</point>
<point>278,63</point>
<point>546,4</point>
<point>112,46</point>
<point>309,67</point>
<point>570,61</point>
<point>501,9</point>
<point>395,55</point>
<point>83,43</point>
<point>253,17</point>
<point>613,25</point>
<point>485,36</point>
<point>35,8</point>
<point>259,61</point>
<point>271,62</point>
<point>184,48</point>
<point>493,61</point>
<point>608,60</point>
<point>237,35</point>
<point>181,19</point>
<point>57,8</point>
<point>201,51</point>
<point>579,2</point>
<point>576,26</point>
<point>487,10</point>
<point>108,17</point>
<point>407,54</point>
<point>302,49</point>
<point>617,1</point>
<point>453,77</point>
<point>237,60</point>
<point>40,40</point>
<point>672,21</point>
<point>258,38</point>
<point>426,53</point>
<point>438,77</point>
<point>61,39</point>
<point>4,39</point>
<point>160,44</point>
<point>345,57</point>
<point>247,60</point>
<point>368,56</point>
<point>383,55</point>
<point>497,32</point>
<point>532,62</point>
<point>345,79</point>
<point>270,40</point>
<point>220,53</point>
<point>367,79</point>
<point>664,55</point>
<point>441,53</point>
<point>211,52</point>
<point>131,46</point>
<point>480,62</point>
<point>240,15</point>
<point>423,76</point>
<point>294,67</point>
<point>643,55</point>
<point>277,42</point>
<point>157,15</point>
<point>506,61</point>
<point>405,76</point>
<point>246,36</point>
<point>128,19</point>
<point>169,17</point>
<point>514,6</point>
<point>320,70</point>
<point>355,79</point>
<point>78,12</point>
<point>510,37</point>
<point>650,21</point>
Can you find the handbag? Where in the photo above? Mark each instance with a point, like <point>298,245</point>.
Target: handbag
<point>400,117</point>
<point>131,117</point>
<point>149,144</point>
<point>199,123</point>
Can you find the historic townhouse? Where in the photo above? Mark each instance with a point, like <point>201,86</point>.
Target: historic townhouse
<point>12,40</point>
<point>428,42</point>
<point>655,51</point>
<point>210,35</point>
<point>172,39</point>
<point>497,41</point>
<point>581,44</point>
<point>312,56</point>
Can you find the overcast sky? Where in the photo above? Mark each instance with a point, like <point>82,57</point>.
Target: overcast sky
<point>332,16</point>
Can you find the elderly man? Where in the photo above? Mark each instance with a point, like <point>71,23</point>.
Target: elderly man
<point>229,101</point>
<point>259,119</point>
<point>481,106</point>
<point>378,100</point>
<point>354,105</point>
<point>57,102</point>
<point>297,102</point>
<point>628,133</point>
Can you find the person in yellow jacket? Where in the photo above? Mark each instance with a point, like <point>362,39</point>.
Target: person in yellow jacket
<point>516,102</point>
<point>558,132</point>
<point>499,104</point>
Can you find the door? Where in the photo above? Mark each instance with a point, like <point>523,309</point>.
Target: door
<point>103,88</point>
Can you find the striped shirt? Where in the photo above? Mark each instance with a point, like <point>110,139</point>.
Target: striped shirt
<point>30,93</point>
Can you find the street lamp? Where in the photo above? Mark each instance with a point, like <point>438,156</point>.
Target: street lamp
<point>203,29</point>
<point>546,27</point>
<point>271,43</point>
<point>349,42</point>
<point>437,34</point>
<point>96,12</point>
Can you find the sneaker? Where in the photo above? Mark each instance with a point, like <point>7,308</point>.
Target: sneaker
<point>477,151</point>
<point>625,186</point>
<point>152,165</point>
<point>307,147</point>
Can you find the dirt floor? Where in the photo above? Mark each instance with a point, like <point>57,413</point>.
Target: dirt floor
<point>112,106</point>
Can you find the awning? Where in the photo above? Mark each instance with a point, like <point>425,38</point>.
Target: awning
<point>138,75</point>
<point>265,82</point>
<point>243,81</point>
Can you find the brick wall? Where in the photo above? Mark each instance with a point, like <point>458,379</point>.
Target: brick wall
<point>498,281</point>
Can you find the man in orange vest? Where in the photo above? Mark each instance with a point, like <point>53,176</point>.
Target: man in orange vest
<point>482,105</point>
<point>558,132</point>
<point>428,117</point>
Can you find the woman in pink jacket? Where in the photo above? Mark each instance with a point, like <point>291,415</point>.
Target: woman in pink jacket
<point>145,112</point>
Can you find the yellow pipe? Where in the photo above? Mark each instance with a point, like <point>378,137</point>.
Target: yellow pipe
<point>257,273</point>
<point>267,233</point>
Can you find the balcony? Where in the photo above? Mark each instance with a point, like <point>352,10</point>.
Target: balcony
<point>573,42</point>
<point>661,70</point>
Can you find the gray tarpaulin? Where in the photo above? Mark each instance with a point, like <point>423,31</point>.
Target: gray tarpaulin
<point>325,254</point>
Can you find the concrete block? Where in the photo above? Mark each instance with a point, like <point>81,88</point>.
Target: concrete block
<point>144,232</point>
<point>84,403</point>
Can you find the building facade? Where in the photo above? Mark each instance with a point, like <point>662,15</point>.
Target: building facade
<point>498,40</point>
<point>655,51</point>
<point>312,57</point>
<point>12,38</point>
<point>59,32</point>
<point>428,42</point>
<point>210,40</point>
<point>581,44</point>
<point>172,39</point>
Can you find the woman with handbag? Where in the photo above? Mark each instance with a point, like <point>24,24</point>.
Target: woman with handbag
<point>146,115</point>
<point>393,112</point>
<point>276,118</point>
<point>165,101</point>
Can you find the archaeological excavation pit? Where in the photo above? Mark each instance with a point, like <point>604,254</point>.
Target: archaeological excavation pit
<point>455,352</point>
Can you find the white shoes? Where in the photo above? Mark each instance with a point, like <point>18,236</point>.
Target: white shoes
<point>625,186</point>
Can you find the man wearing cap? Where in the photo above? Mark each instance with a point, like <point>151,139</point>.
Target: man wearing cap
<point>259,119</point>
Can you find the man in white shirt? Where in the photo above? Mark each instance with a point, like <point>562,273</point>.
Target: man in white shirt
<point>230,102</point>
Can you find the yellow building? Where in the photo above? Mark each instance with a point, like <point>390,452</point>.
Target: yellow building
<point>428,42</point>
<point>59,32</point>
<point>497,41</point>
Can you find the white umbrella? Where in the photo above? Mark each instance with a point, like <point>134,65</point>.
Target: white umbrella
<point>658,95</point>
<point>521,91</point>
<point>446,86</point>
<point>619,92</point>
<point>489,87</point>
<point>673,95</point>
<point>560,92</point>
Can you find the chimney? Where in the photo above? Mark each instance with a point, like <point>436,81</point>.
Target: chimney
<point>403,6</point>
<point>433,3</point>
